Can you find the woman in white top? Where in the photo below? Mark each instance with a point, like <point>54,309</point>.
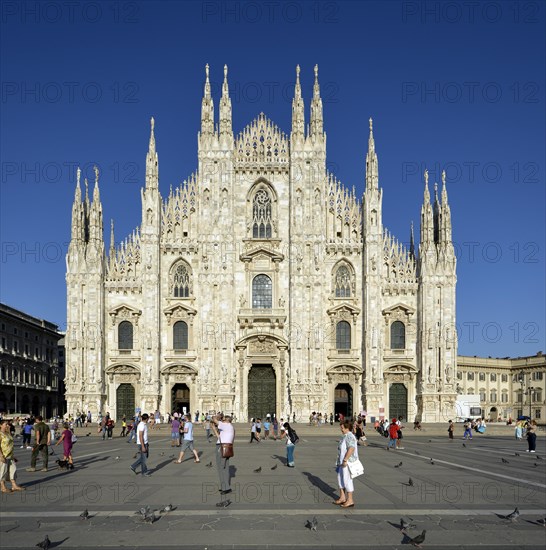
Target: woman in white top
<point>347,452</point>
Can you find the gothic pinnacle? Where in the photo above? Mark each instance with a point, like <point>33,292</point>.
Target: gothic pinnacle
<point>371,141</point>
<point>207,81</point>
<point>152,136</point>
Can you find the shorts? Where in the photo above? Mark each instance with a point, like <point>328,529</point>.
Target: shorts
<point>175,435</point>
<point>259,430</point>
<point>187,445</point>
<point>399,432</point>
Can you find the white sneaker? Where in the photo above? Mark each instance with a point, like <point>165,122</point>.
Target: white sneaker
<point>22,447</point>
<point>533,451</point>
<point>30,448</point>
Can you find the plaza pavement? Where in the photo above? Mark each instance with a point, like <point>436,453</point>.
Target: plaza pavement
<point>458,500</point>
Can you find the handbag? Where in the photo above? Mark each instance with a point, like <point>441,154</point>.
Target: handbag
<point>226,450</point>
<point>355,468</point>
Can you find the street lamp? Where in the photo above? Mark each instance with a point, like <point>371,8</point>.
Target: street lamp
<point>530,390</point>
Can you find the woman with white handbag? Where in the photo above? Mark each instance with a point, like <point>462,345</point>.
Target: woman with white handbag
<point>348,465</point>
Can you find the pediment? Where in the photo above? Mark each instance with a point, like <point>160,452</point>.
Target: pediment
<point>344,308</point>
<point>344,369</point>
<point>401,369</point>
<point>122,369</point>
<point>399,307</point>
<point>179,309</point>
<point>261,252</point>
<point>124,311</point>
<point>179,369</point>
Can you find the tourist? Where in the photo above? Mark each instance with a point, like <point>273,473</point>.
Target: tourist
<point>531,434</point>
<point>42,436</point>
<point>450,430</point>
<point>288,433</point>
<point>519,431</point>
<point>27,433</point>
<point>206,427</point>
<point>143,447</point>
<point>393,434</point>
<point>8,462</point>
<point>66,439</point>
<point>187,444</point>
<point>109,426</point>
<point>267,426</point>
<point>259,428</point>
<point>253,435</point>
<point>400,428</point>
<point>175,432</point>
<point>346,452</point>
<point>275,428</point>
<point>123,427</point>
<point>224,431</point>
<point>467,429</point>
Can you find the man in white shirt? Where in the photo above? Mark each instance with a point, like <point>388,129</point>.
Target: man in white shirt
<point>187,443</point>
<point>223,429</point>
<point>143,447</point>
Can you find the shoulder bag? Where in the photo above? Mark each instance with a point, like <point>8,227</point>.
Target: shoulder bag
<point>226,450</point>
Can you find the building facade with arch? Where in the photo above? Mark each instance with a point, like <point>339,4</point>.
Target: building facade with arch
<point>261,285</point>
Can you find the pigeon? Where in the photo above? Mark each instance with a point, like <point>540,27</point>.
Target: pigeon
<point>149,518</point>
<point>258,470</point>
<point>539,458</point>
<point>44,544</point>
<point>516,454</point>
<point>87,435</point>
<point>542,522</point>
<point>116,458</point>
<point>410,482</point>
<point>223,503</point>
<point>431,462</point>
<point>209,465</point>
<point>536,465</point>
<point>85,514</point>
<point>405,525</point>
<point>504,461</point>
<point>143,511</point>
<point>514,515</point>
<point>161,454</point>
<point>167,509</point>
<point>312,524</point>
<point>274,467</point>
<point>418,540</point>
<point>430,440</point>
<point>398,465</point>
<point>464,445</point>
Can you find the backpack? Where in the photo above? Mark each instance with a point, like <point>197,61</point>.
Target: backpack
<point>74,438</point>
<point>294,437</point>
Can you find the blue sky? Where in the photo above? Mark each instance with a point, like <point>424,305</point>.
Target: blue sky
<point>449,85</point>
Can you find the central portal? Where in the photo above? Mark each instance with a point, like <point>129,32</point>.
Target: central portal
<point>262,391</point>
<point>180,398</point>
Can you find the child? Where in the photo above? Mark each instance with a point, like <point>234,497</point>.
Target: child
<point>450,430</point>
<point>467,429</point>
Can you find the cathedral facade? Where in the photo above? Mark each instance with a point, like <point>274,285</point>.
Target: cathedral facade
<point>261,285</point>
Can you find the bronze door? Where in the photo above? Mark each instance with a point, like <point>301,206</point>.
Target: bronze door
<point>398,401</point>
<point>262,391</point>
<point>125,401</point>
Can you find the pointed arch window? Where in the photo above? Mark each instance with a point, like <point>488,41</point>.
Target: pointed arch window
<point>261,215</point>
<point>181,281</point>
<point>180,335</point>
<point>342,282</point>
<point>343,335</point>
<point>262,294</point>
<point>398,335</point>
<point>125,335</point>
